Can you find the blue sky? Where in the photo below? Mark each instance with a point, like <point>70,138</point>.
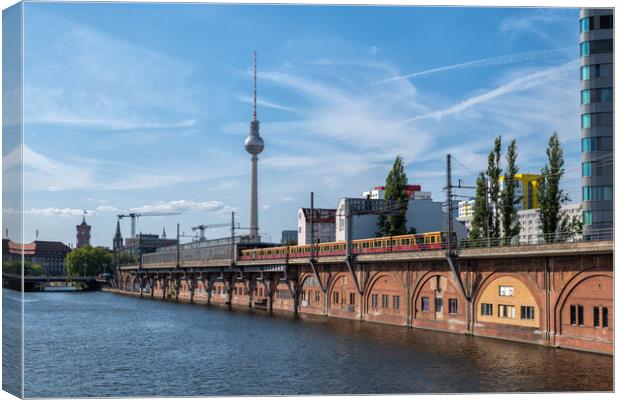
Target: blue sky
<point>145,107</point>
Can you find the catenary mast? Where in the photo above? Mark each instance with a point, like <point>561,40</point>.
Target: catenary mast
<point>254,145</point>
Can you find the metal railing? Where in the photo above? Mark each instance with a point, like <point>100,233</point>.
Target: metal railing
<point>538,239</point>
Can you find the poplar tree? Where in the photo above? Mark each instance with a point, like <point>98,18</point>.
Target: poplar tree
<point>508,201</point>
<point>550,196</point>
<point>494,171</point>
<point>396,189</point>
<point>480,217</point>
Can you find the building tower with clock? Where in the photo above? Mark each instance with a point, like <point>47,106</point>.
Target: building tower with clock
<point>83,233</point>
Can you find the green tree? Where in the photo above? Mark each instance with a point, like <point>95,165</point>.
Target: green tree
<point>396,189</point>
<point>508,201</point>
<point>481,214</point>
<point>550,196</point>
<point>571,226</point>
<point>15,268</point>
<point>123,257</point>
<point>494,171</point>
<point>88,261</point>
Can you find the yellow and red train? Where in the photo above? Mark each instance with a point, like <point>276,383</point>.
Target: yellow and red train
<point>386,244</point>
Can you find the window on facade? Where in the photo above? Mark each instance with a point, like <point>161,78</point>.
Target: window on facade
<point>606,22</point>
<point>585,73</point>
<point>586,217</point>
<point>527,312</point>
<point>595,317</point>
<point>605,317</point>
<point>588,145</point>
<point>586,168</point>
<point>606,95</point>
<point>438,304</point>
<point>586,24</point>
<point>375,300</point>
<point>597,47</point>
<point>585,121</point>
<point>486,309</point>
<point>352,298</point>
<point>585,96</point>
<point>506,311</point>
<point>597,193</point>
<point>580,314</point>
<point>336,299</point>
<point>586,193</point>
<point>317,296</point>
<point>385,301</point>
<point>425,304</point>
<point>452,306</point>
<point>506,291</point>
<point>396,302</point>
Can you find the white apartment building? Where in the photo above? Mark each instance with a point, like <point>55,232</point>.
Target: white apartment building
<point>414,192</point>
<point>324,225</point>
<point>531,229</point>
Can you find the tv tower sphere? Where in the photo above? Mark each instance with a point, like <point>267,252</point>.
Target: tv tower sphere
<point>254,144</point>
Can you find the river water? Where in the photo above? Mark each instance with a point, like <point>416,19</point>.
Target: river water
<point>103,344</point>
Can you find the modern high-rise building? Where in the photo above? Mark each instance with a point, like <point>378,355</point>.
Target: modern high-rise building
<point>597,131</point>
<point>526,190</point>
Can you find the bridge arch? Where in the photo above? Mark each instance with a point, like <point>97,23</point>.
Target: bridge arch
<point>509,298</point>
<point>342,294</point>
<point>436,297</point>
<point>312,296</point>
<point>127,283</point>
<point>584,295</point>
<point>385,299</point>
<point>136,285</point>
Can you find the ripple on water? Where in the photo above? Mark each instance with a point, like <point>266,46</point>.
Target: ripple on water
<point>102,344</point>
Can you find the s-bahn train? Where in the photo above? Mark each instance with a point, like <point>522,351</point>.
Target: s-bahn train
<point>386,244</point>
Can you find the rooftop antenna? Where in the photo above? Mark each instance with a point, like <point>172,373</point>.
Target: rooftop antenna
<point>254,102</point>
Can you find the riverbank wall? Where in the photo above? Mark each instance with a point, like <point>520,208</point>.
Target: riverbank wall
<point>553,301</point>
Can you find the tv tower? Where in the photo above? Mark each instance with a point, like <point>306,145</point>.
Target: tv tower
<point>254,145</point>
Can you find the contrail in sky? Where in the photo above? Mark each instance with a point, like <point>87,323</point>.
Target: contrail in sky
<point>485,62</point>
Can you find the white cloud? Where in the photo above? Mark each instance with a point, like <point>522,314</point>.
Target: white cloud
<point>262,102</point>
<point>536,25</point>
<point>484,62</point>
<point>107,209</point>
<point>287,199</point>
<point>183,206</point>
<point>58,212</point>
<point>87,78</point>
<point>267,207</point>
<point>374,50</point>
<point>519,84</point>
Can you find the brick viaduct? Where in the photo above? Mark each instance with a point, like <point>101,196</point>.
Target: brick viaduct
<point>556,294</point>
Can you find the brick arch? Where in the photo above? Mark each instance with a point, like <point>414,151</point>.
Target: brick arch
<point>344,299</point>
<point>305,278</point>
<point>570,287</point>
<point>127,283</point>
<point>422,282</point>
<point>386,284</point>
<point>401,288</point>
<point>334,279</point>
<point>519,276</point>
<point>136,284</point>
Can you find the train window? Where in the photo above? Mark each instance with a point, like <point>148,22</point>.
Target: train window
<point>433,239</point>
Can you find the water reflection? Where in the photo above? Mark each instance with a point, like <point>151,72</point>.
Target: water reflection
<point>101,344</point>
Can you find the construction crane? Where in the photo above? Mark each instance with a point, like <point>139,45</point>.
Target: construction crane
<point>133,217</point>
<point>202,229</point>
